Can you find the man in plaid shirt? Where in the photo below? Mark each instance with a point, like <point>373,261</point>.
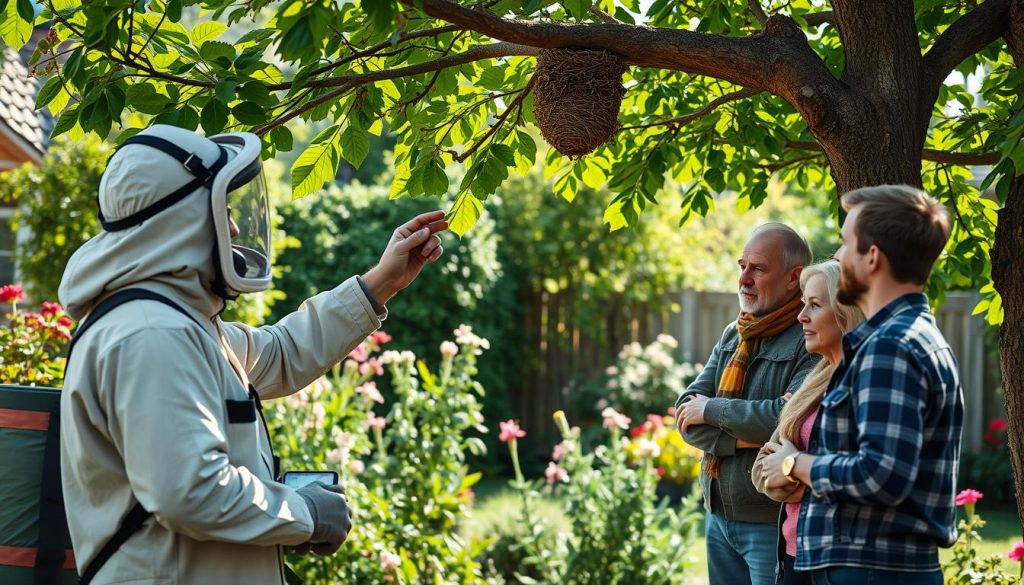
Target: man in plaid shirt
<point>883,457</point>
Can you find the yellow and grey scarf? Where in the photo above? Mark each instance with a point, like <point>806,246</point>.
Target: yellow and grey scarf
<point>752,329</point>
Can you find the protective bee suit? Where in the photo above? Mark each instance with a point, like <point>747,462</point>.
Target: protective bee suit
<point>156,409</point>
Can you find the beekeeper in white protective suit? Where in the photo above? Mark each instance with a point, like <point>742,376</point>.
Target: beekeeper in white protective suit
<point>168,473</point>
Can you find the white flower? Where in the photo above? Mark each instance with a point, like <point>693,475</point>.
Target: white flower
<point>667,340</point>
<point>390,357</point>
<point>370,392</point>
<point>647,448</point>
<point>407,357</point>
<point>357,467</point>
<point>389,561</point>
<point>449,349</point>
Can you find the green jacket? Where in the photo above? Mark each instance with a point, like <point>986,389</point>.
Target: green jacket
<point>779,366</point>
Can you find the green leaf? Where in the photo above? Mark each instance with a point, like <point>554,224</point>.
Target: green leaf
<point>256,91</point>
<point>578,8</point>
<point>492,78</point>
<point>14,30</point>
<point>213,117</point>
<point>49,91</point>
<point>314,167</point>
<point>212,51</point>
<point>355,145</point>
<point>435,181</point>
<point>65,122</point>
<point>225,90</point>
<point>207,31</point>
<point>249,113</point>
<point>381,13</point>
<point>144,98</point>
<point>26,11</point>
<point>256,36</point>
<point>282,139</point>
<point>464,214</point>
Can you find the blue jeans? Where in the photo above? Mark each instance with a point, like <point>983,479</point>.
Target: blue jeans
<point>860,576</point>
<point>740,553</point>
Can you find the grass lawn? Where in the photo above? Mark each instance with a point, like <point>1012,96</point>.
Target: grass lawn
<point>497,504</point>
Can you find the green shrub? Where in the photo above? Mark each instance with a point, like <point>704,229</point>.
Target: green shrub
<point>405,473</point>
<point>990,466</point>
<point>32,343</point>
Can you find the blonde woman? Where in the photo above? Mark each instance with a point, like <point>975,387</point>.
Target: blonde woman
<point>824,322</point>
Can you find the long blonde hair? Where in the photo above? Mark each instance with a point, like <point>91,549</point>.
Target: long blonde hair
<point>808,397</point>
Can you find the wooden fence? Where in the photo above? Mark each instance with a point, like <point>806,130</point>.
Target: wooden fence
<point>561,352</point>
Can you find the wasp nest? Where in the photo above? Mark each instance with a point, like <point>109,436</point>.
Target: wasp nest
<point>577,98</point>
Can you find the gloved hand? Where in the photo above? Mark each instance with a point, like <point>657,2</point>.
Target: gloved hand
<point>332,518</point>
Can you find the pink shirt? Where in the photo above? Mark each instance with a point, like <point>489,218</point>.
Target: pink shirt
<point>793,510</point>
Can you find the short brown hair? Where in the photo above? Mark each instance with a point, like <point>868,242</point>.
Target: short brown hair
<point>906,223</point>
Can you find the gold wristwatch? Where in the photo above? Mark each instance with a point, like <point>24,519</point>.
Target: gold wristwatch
<point>787,467</point>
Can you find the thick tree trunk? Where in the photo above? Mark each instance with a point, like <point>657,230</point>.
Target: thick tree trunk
<point>1008,276</point>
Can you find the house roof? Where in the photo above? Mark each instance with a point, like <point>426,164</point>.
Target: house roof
<point>20,125</point>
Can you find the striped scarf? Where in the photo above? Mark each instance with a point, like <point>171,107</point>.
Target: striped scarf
<point>752,329</point>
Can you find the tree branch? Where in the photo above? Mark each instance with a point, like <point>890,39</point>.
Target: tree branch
<point>604,16</point>
<point>818,18</point>
<point>516,104</point>
<point>754,61</point>
<point>758,10</point>
<point>968,35</point>
<point>928,154</point>
<point>476,53</point>
<point>704,111</point>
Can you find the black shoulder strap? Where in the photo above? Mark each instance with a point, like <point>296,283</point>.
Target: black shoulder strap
<point>117,299</point>
<point>138,515</point>
<point>53,525</point>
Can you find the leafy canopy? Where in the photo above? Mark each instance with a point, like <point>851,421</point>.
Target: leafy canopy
<point>451,94</point>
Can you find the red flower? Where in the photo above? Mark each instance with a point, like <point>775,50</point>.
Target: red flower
<point>1017,552</point>
<point>989,438</point>
<point>510,431</point>
<point>51,309</point>
<point>64,322</point>
<point>33,320</point>
<point>999,424</point>
<point>968,497</point>
<point>660,471</point>
<point>64,333</point>
<point>380,338</point>
<point>11,293</point>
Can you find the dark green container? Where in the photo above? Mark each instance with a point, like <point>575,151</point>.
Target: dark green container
<point>25,414</point>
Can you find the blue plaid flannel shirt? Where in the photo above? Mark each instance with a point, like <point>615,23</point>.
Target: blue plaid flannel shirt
<point>887,441</point>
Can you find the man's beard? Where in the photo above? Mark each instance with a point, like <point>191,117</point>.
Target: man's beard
<point>850,289</point>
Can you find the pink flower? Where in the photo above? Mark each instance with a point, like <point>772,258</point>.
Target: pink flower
<point>999,424</point>
<point>356,466</point>
<point>389,561</point>
<point>614,418</point>
<point>657,421</point>
<point>556,473</point>
<point>510,431</point>
<point>64,322</point>
<point>371,365</point>
<point>359,353</point>
<point>374,422</point>
<point>1016,552</point>
<point>380,338</point>
<point>11,293</point>
<point>560,450</point>
<point>370,392</point>
<point>968,497</point>
<point>50,309</point>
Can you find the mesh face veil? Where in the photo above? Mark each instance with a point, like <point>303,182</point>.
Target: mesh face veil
<point>241,215</point>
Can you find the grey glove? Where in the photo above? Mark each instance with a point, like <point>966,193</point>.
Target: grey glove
<point>332,518</point>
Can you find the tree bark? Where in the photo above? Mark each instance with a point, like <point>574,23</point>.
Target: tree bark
<point>1008,277</point>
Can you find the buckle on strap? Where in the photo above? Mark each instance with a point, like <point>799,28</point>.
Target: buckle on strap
<point>194,165</point>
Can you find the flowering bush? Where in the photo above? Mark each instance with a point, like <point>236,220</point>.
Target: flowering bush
<point>618,533</point>
<point>657,439</point>
<point>403,468</point>
<point>643,380</point>
<point>966,566</point>
<point>990,466</point>
<point>31,343</point>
